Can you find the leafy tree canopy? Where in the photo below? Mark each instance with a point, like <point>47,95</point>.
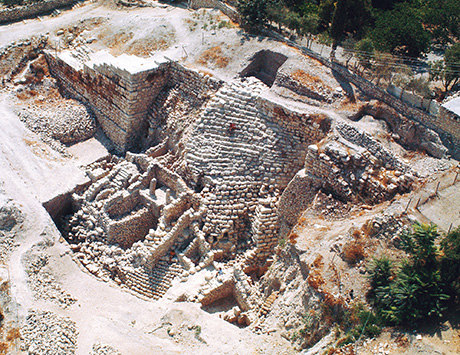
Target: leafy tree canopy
<point>400,31</point>
<point>350,17</point>
<point>447,70</point>
<point>442,20</point>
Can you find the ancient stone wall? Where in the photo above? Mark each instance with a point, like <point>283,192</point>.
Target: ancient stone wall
<point>30,10</point>
<point>349,165</point>
<point>120,99</point>
<point>346,172</point>
<point>216,4</point>
<point>295,200</point>
<point>246,149</point>
<point>130,229</point>
<point>448,129</point>
<point>444,125</point>
<point>170,179</point>
<point>428,105</point>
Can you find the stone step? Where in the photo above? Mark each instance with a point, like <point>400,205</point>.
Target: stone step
<point>267,305</point>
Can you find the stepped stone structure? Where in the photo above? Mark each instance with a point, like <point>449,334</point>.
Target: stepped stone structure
<point>224,171</point>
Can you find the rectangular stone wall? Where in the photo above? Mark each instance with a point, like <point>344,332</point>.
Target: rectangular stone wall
<point>216,4</point>
<point>192,82</point>
<point>30,10</point>
<point>131,229</point>
<point>119,100</point>
<point>431,106</point>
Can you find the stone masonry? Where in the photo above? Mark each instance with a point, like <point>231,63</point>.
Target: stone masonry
<point>120,98</point>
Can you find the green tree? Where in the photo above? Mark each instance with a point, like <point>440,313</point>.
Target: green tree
<point>450,263</point>
<point>253,14</point>
<point>400,31</point>
<point>448,69</point>
<point>277,12</point>
<point>420,245</point>
<point>442,19</point>
<point>415,292</point>
<point>325,13</point>
<point>380,275</point>
<point>364,52</point>
<point>11,3</point>
<point>349,48</point>
<point>350,17</point>
<point>385,4</point>
<point>309,26</point>
<point>384,66</point>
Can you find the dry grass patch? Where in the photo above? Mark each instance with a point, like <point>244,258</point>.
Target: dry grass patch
<point>13,334</point>
<point>353,252</point>
<point>143,47</point>
<point>213,56</point>
<point>305,78</point>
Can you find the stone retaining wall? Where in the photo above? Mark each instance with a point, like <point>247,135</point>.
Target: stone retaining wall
<point>120,99</point>
<point>215,4</point>
<point>31,10</point>
<point>431,106</point>
<point>443,124</point>
<point>130,229</point>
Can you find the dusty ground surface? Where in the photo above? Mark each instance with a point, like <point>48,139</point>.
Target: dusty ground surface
<point>46,291</point>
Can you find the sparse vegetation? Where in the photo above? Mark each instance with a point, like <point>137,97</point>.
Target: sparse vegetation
<point>353,252</point>
<point>225,24</point>
<point>214,56</point>
<point>415,289</point>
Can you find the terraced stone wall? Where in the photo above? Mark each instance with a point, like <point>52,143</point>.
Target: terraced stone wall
<point>216,4</point>
<point>30,10</point>
<point>246,148</point>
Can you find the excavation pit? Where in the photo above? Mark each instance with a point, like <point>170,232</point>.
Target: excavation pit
<point>264,66</point>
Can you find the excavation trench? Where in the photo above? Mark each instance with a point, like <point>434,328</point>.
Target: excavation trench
<point>264,66</point>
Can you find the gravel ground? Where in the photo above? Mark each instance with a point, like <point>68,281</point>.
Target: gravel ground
<point>46,333</point>
<point>102,349</point>
<point>42,283</point>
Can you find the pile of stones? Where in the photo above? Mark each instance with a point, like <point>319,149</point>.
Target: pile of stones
<point>68,123</point>
<point>44,332</point>
<point>42,283</point>
<point>102,349</point>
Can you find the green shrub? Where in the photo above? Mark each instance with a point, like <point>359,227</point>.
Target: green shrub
<point>412,291</point>
<point>450,264</point>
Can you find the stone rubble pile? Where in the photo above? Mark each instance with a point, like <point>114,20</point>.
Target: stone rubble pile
<point>350,170</point>
<point>44,333</point>
<point>13,54</point>
<point>69,122</point>
<point>103,349</point>
<point>42,283</point>
<point>385,225</point>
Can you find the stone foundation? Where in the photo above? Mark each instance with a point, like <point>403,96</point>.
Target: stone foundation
<point>121,98</point>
